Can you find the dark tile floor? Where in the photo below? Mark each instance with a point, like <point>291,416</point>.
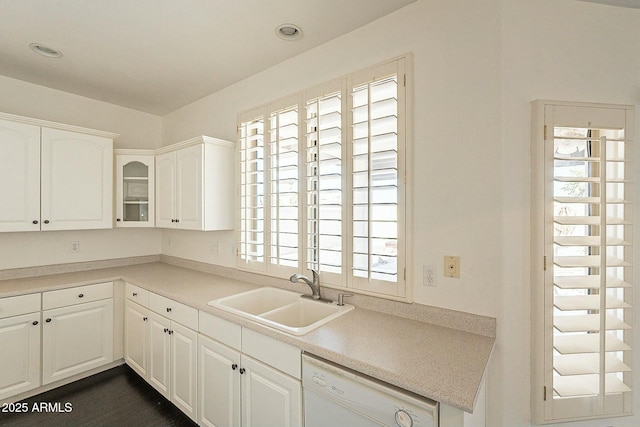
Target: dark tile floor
<point>117,397</point>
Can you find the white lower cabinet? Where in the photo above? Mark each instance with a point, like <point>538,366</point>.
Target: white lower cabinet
<point>136,337</point>
<point>19,344</point>
<point>161,350</point>
<point>269,397</point>
<point>236,388</point>
<point>76,338</point>
<point>50,336</point>
<point>218,384</point>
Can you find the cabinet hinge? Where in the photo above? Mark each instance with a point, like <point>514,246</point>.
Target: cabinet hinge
<point>404,80</point>
<point>405,273</point>
<point>544,393</point>
<point>544,262</point>
<point>545,132</point>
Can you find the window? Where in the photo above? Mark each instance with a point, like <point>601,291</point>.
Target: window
<point>582,261</point>
<point>322,183</point>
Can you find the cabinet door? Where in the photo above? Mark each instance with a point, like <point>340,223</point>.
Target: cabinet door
<point>77,181</point>
<point>76,339</point>
<point>20,177</point>
<point>218,384</point>
<point>184,365</point>
<point>159,368</point>
<point>135,194</point>
<point>19,354</point>
<point>135,337</point>
<point>189,189</point>
<point>269,397</point>
<point>166,190</point>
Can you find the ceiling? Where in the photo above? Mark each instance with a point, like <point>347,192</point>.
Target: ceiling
<point>635,4</point>
<point>158,55</point>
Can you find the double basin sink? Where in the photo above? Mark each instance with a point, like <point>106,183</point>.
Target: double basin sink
<point>281,309</point>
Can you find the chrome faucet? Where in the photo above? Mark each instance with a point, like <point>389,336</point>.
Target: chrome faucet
<point>313,284</point>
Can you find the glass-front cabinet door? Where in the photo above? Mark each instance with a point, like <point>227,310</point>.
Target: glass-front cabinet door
<point>135,190</point>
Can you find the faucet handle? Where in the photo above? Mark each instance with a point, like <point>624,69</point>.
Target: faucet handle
<point>341,297</point>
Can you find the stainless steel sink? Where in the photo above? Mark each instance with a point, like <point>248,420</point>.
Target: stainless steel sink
<point>281,309</point>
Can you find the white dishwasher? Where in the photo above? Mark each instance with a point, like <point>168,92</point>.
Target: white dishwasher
<point>337,397</point>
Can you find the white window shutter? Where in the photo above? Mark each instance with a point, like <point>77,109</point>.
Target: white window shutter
<point>251,244</point>
<point>584,169</point>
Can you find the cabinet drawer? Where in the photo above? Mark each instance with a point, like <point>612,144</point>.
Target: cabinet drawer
<point>188,316</point>
<point>137,294</point>
<point>281,356</point>
<point>22,304</point>
<point>220,330</point>
<point>77,295</point>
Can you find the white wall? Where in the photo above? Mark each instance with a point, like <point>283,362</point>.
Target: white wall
<point>456,104</point>
<point>478,65</point>
<point>136,129</point>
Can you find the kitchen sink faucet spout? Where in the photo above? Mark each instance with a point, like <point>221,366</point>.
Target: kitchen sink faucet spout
<point>313,284</point>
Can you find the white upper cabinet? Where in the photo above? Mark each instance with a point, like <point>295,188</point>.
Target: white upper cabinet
<point>57,177</point>
<point>135,188</point>
<point>20,175</point>
<point>77,181</point>
<point>194,185</point>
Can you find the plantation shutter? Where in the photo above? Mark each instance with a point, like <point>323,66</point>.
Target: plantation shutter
<point>588,247</point>
<point>324,182</point>
<point>377,189</point>
<point>251,245</point>
<point>284,190</point>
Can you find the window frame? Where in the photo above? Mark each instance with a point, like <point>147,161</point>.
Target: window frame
<point>402,290</point>
<point>547,307</point>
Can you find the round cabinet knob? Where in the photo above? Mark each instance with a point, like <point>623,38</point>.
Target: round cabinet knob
<point>144,319</point>
<point>242,371</point>
<point>46,221</point>
<point>166,330</point>
<point>35,221</point>
<point>173,220</point>
<point>117,219</point>
<point>403,419</point>
<point>48,320</point>
<point>81,296</point>
<point>234,366</point>
<point>168,309</point>
<point>35,323</point>
<point>135,294</point>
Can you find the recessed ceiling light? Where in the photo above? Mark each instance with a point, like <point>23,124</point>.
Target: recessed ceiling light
<point>289,32</point>
<point>45,50</point>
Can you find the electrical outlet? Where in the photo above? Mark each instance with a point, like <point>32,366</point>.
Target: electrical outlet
<point>74,247</point>
<point>429,275</point>
<point>452,266</point>
<point>215,248</point>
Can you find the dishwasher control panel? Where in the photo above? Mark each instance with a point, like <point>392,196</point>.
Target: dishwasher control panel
<point>333,390</point>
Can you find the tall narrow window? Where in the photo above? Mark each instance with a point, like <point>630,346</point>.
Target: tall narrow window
<point>375,180</point>
<point>586,157</point>
<point>283,182</point>
<point>251,249</point>
<point>324,170</point>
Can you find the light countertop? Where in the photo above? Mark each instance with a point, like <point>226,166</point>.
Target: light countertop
<point>441,363</point>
